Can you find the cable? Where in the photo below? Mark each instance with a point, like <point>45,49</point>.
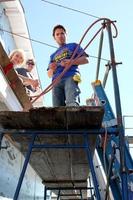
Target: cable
<point>43,43</point>
<point>72,9</point>
<point>46,44</point>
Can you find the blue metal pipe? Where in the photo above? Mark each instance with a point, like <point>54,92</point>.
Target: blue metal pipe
<point>1,137</point>
<point>99,54</point>
<point>58,146</point>
<point>97,131</point>
<point>119,117</point>
<point>24,168</point>
<point>45,193</point>
<point>90,160</point>
<point>70,188</point>
<point>90,186</point>
<point>81,194</point>
<point>58,197</point>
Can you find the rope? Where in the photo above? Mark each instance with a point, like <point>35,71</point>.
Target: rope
<point>104,138</point>
<point>56,81</point>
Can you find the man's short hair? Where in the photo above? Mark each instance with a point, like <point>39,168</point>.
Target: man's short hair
<point>60,27</point>
<point>30,61</point>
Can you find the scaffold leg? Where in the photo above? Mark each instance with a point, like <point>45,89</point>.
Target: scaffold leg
<point>58,197</point>
<point>27,158</point>
<point>125,195</point>
<point>81,195</point>
<point>90,160</point>
<point>45,193</point>
<point>1,137</point>
<point>90,185</point>
<point>119,119</point>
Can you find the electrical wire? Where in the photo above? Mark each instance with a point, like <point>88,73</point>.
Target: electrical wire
<point>72,9</point>
<point>27,38</point>
<point>43,43</point>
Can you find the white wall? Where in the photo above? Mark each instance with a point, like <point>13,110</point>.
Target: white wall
<point>11,159</point>
<point>11,162</point>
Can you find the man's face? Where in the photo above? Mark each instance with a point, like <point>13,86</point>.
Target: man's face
<point>30,66</point>
<point>60,36</point>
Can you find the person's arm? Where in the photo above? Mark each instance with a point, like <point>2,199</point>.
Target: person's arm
<point>83,56</point>
<point>50,73</point>
<point>28,81</point>
<point>78,61</point>
<point>51,70</point>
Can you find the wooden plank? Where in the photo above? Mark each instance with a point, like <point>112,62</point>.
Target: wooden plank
<point>57,118</point>
<point>14,81</point>
<point>129,139</point>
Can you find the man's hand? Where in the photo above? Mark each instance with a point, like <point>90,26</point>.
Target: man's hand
<point>28,81</point>
<point>66,62</point>
<point>53,66</point>
<point>77,61</point>
<point>35,83</point>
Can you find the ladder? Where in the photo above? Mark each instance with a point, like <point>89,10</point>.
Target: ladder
<point>110,156</point>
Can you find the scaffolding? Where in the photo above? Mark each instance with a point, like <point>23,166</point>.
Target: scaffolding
<point>70,130</point>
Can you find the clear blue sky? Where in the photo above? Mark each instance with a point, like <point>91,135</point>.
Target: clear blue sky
<point>41,17</point>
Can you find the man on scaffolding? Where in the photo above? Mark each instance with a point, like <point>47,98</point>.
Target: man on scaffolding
<point>63,68</point>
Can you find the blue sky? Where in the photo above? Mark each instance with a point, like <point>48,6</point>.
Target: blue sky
<point>41,17</point>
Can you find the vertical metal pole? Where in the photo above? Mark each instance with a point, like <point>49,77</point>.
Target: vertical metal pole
<point>119,118</point>
<point>58,197</point>
<point>81,194</point>
<point>90,160</point>
<point>99,55</point>
<point>24,167</point>
<point>1,137</point>
<point>106,75</point>
<point>45,193</point>
<point>90,186</point>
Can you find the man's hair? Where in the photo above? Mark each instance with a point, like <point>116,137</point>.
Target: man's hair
<point>60,27</point>
<point>31,60</point>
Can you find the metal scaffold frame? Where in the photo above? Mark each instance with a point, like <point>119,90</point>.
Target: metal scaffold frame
<point>32,145</point>
<point>117,130</point>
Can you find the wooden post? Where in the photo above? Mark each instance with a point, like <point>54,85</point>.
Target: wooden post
<point>14,81</point>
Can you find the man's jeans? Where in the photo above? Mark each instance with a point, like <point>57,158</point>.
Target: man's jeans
<point>66,93</point>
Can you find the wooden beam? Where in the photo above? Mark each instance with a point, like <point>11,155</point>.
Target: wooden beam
<point>56,118</point>
<point>129,139</point>
<point>14,81</point>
